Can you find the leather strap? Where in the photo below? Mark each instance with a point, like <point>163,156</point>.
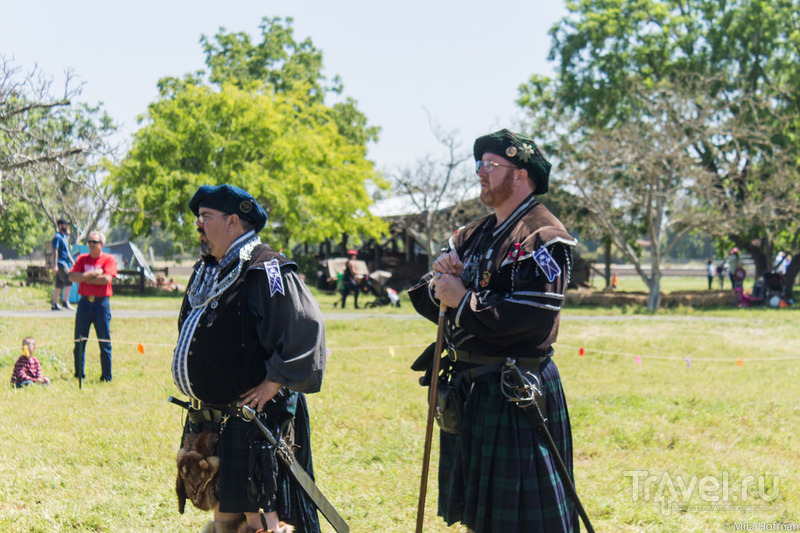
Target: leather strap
<point>493,360</point>
<point>286,455</point>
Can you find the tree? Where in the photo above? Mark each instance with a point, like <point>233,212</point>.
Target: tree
<point>287,66</point>
<point>641,177</point>
<point>258,120</point>
<point>746,51</point>
<point>436,188</point>
<point>51,158</point>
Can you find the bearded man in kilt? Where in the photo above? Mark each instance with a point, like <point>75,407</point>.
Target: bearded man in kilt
<point>250,334</point>
<point>503,281</point>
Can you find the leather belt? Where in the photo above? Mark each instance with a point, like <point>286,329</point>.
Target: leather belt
<point>94,298</point>
<point>487,364</point>
<point>200,412</point>
<point>493,360</point>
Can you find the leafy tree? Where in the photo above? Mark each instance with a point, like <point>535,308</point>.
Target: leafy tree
<point>257,119</point>
<point>742,53</point>
<point>51,158</point>
<point>640,179</point>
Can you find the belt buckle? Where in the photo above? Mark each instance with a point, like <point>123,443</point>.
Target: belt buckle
<point>91,298</point>
<point>452,354</point>
<point>196,404</point>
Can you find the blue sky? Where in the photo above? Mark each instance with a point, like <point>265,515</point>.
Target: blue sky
<point>459,60</point>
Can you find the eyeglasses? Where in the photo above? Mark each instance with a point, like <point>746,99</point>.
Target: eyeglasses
<point>202,218</point>
<point>489,166</point>
<point>94,242</point>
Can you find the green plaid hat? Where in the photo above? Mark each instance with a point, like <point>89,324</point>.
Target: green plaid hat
<point>519,150</point>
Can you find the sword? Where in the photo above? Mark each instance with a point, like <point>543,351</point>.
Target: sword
<point>536,417</point>
<point>285,454</point>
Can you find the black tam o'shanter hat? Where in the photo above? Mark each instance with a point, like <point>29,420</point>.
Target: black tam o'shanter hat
<point>519,150</point>
<point>230,200</point>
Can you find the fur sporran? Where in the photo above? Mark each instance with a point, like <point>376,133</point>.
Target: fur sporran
<point>198,466</point>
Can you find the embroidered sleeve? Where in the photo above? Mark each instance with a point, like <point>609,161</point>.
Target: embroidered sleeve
<point>292,329</point>
<point>274,279</point>
<point>528,311</point>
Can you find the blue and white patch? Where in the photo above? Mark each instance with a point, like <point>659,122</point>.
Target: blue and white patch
<point>273,269</point>
<point>547,263</point>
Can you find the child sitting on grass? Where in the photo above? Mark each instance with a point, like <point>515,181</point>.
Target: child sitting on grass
<point>27,369</point>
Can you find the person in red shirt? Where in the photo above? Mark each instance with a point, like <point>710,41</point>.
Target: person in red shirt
<point>27,369</point>
<point>94,272</point>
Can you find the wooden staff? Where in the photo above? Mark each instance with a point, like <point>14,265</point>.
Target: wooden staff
<point>426,457</point>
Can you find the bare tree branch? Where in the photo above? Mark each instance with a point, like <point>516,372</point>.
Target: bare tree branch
<point>435,187</point>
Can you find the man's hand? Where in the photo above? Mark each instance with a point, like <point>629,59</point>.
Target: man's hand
<point>258,396</point>
<point>446,283</point>
<point>448,263</point>
<point>448,289</point>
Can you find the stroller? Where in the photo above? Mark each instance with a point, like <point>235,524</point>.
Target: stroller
<point>774,287</point>
<point>767,290</point>
<point>375,283</point>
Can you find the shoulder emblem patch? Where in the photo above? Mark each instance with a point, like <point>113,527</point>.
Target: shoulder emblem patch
<point>274,278</point>
<point>546,262</point>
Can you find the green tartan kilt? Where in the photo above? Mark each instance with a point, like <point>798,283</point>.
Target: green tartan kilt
<point>497,475</point>
<point>289,500</point>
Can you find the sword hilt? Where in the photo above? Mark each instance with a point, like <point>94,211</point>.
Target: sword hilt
<point>178,402</point>
<point>248,413</point>
<point>520,390</point>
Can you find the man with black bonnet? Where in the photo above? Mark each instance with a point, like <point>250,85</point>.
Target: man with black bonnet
<point>250,334</point>
<point>503,282</point>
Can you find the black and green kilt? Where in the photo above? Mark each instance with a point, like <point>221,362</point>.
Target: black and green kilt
<point>497,475</point>
<point>290,502</point>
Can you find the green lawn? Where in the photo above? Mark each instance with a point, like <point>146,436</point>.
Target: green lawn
<point>658,446</point>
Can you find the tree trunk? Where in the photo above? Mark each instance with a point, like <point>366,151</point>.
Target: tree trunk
<point>654,283</point>
<point>654,297</point>
<point>607,258</point>
<point>791,273</point>
<point>761,261</point>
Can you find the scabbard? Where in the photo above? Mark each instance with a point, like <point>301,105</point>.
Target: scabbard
<point>537,420</point>
<point>302,478</point>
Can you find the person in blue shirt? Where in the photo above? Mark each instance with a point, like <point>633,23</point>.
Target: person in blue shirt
<point>62,262</point>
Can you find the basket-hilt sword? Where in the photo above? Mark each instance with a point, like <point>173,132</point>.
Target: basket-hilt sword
<point>537,420</point>
<point>284,452</point>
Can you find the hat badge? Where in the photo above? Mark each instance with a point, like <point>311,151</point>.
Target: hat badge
<point>511,151</point>
<point>526,152</point>
<point>246,206</point>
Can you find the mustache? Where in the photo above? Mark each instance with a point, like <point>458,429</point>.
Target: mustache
<point>204,251</point>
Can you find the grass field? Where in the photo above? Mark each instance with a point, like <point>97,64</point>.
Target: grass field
<point>661,444</point>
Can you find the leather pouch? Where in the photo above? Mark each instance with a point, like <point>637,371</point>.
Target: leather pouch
<point>449,408</point>
<point>262,481</point>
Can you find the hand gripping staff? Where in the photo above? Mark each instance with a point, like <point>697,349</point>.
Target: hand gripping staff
<point>523,392</point>
<point>426,457</point>
<point>285,454</point>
